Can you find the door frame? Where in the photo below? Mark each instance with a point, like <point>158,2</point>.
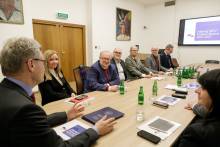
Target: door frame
<point>83,27</point>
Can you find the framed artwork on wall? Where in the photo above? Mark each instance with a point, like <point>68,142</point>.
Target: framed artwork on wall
<point>11,11</point>
<point>123,24</point>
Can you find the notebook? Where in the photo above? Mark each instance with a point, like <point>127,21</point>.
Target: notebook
<point>97,115</point>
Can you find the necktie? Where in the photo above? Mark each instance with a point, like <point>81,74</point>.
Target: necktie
<point>33,98</point>
<point>169,57</point>
<point>106,73</point>
<point>136,62</point>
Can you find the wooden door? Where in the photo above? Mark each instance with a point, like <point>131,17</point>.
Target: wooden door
<point>71,40</point>
<point>67,39</point>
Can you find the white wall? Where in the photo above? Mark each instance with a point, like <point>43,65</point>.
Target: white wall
<point>163,28</point>
<point>104,26</point>
<point>13,30</point>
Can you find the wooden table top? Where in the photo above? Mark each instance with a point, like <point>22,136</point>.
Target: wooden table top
<point>125,131</point>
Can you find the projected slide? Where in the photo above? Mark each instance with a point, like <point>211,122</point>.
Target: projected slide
<point>200,31</point>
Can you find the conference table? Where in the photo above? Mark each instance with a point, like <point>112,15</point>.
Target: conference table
<point>125,131</point>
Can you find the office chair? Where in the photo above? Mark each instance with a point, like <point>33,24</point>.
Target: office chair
<point>212,61</point>
<point>79,83</point>
<point>175,63</point>
<point>143,62</point>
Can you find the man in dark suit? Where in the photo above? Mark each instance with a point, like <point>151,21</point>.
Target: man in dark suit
<point>22,122</point>
<point>119,64</point>
<point>102,75</point>
<point>152,62</point>
<point>165,58</point>
<point>135,69</point>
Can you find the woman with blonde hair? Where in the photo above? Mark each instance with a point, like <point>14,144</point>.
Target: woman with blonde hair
<point>55,86</point>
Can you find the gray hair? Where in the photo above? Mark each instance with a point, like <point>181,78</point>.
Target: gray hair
<point>155,46</point>
<point>105,52</point>
<point>132,47</point>
<point>117,48</point>
<point>16,52</point>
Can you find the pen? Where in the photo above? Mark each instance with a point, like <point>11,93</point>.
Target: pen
<point>158,130</point>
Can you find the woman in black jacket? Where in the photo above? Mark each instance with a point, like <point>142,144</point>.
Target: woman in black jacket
<point>55,86</point>
<point>205,132</point>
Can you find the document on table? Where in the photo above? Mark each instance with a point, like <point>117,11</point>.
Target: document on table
<point>175,87</point>
<point>157,78</point>
<point>70,129</point>
<point>169,100</point>
<point>159,126</point>
<point>193,86</point>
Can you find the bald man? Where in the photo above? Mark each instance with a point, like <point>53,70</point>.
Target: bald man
<point>152,62</point>
<point>102,75</point>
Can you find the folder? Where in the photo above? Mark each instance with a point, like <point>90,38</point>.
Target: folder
<point>97,115</point>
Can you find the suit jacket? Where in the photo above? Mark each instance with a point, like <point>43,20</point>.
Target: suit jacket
<point>96,78</point>
<point>52,90</point>
<point>164,61</point>
<point>200,135</point>
<point>132,69</point>
<point>199,110</point>
<point>123,66</point>
<point>151,64</point>
<point>25,124</point>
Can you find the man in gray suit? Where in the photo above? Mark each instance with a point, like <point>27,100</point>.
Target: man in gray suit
<point>135,69</point>
<point>152,62</point>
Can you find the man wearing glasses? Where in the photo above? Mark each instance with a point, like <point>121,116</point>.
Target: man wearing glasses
<point>153,62</point>
<point>165,58</point>
<point>22,122</point>
<point>102,75</point>
<point>135,69</point>
<point>119,64</point>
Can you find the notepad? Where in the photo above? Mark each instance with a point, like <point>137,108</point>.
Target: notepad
<point>97,115</point>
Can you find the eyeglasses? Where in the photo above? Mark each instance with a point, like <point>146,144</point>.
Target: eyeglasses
<point>44,61</point>
<point>105,59</point>
<point>135,50</point>
<point>118,53</point>
<point>153,50</point>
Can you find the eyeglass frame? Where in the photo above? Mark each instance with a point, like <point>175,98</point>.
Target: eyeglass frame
<point>105,59</point>
<point>40,60</point>
<point>118,53</point>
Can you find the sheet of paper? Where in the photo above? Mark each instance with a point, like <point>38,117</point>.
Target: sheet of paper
<point>169,100</point>
<point>70,129</point>
<point>157,78</point>
<point>171,86</point>
<point>155,121</point>
<point>193,86</point>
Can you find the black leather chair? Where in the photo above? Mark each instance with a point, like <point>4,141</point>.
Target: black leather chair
<point>212,62</point>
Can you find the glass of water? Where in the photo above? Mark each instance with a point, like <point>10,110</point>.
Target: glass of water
<point>152,97</point>
<point>140,112</point>
<point>86,102</point>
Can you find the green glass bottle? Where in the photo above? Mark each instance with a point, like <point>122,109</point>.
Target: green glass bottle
<point>183,73</point>
<point>179,71</point>
<point>141,96</point>
<point>184,68</point>
<point>191,74</point>
<point>154,89</point>
<point>179,80</point>
<point>193,70</point>
<point>187,74</point>
<point>207,70</point>
<point>122,88</point>
<point>198,75</point>
<point>174,71</point>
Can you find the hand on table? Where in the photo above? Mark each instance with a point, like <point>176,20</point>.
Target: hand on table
<point>161,73</point>
<point>105,126</point>
<point>114,88</point>
<point>73,95</point>
<point>148,76</point>
<point>190,104</point>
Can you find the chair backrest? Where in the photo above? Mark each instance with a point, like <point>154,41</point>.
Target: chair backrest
<point>212,61</point>
<point>161,51</point>
<point>143,62</point>
<point>77,76</point>
<point>175,63</point>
